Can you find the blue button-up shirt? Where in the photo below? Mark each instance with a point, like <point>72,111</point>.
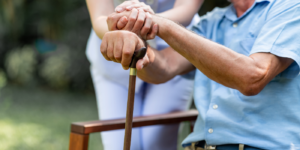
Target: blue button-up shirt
<point>270,119</point>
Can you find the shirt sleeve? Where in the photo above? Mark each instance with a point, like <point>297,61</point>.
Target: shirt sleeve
<point>280,35</point>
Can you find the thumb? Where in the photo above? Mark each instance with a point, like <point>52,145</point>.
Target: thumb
<point>142,63</point>
<point>122,23</point>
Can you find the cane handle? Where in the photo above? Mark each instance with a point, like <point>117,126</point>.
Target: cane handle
<point>137,56</point>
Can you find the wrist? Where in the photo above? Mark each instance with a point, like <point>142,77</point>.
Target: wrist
<point>163,24</point>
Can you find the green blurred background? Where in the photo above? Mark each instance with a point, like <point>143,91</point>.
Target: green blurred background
<point>45,83</point>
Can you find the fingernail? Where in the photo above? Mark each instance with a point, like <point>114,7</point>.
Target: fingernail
<point>142,66</point>
<point>119,9</point>
<point>128,7</point>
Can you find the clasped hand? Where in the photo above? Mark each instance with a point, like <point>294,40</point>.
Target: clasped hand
<point>128,27</point>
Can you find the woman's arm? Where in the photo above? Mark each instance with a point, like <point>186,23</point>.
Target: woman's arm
<point>99,10</point>
<point>183,11</point>
<point>137,21</point>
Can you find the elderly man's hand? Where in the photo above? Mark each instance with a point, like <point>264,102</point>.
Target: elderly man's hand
<point>136,21</point>
<point>119,46</point>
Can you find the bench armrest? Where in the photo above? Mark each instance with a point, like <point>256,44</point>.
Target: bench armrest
<point>106,125</point>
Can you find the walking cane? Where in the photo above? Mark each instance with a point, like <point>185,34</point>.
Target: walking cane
<point>131,92</point>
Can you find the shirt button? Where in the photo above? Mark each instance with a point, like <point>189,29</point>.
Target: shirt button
<point>235,25</point>
<point>215,106</point>
<point>210,130</point>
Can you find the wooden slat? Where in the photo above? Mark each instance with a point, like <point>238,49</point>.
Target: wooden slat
<point>78,141</point>
<point>105,125</point>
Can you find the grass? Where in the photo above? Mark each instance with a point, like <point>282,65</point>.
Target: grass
<point>39,119</point>
<point>36,119</point>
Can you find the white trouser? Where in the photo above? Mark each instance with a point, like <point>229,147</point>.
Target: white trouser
<point>173,95</point>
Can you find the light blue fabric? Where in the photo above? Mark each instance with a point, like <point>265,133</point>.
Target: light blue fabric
<point>271,119</point>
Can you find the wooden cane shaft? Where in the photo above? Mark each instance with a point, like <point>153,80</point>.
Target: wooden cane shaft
<point>129,113</point>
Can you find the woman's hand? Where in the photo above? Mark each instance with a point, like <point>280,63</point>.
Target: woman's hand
<point>136,21</point>
<point>129,5</point>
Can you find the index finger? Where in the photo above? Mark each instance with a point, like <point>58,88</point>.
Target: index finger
<point>128,50</point>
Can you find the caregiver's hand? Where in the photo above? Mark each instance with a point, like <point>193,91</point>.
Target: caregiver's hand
<point>129,5</point>
<point>136,21</point>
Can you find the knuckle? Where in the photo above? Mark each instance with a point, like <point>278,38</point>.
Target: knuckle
<point>134,10</point>
<point>130,35</point>
<point>102,49</point>
<point>109,18</point>
<point>118,33</point>
<point>127,53</point>
<point>118,49</point>
<point>109,52</point>
<point>140,9</point>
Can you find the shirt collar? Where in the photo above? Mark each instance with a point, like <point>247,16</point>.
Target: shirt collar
<point>231,13</point>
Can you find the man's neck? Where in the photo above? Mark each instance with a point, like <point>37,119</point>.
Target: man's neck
<point>241,6</point>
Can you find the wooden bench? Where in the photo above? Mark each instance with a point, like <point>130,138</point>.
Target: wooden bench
<point>80,131</point>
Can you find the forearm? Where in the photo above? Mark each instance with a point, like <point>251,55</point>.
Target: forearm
<point>164,65</point>
<point>98,14</point>
<point>219,63</point>
<point>100,26</point>
<point>183,11</point>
